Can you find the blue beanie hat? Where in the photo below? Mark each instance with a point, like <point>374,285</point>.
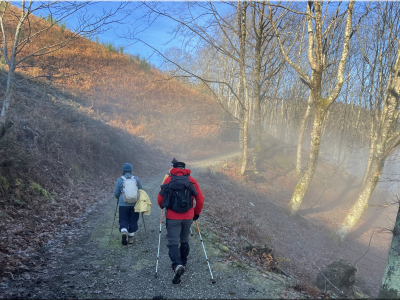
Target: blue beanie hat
<point>127,168</point>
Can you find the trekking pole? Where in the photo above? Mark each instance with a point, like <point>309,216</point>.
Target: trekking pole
<point>144,224</point>
<point>191,232</point>
<point>159,239</point>
<point>201,239</point>
<point>113,222</point>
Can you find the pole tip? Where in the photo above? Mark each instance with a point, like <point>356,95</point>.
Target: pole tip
<point>214,281</point>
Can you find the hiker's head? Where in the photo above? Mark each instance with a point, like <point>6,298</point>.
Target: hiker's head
<point>173,161</point>
<point>127,168</point>
<point>179,164</point>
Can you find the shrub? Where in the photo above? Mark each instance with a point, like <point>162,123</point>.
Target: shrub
<point>62,27</point>
<point>110,47</point>
<point>144,65</point>
<point>38,190</point>
<point>4,184</point>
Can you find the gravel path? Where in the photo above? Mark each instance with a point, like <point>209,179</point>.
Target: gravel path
<point>94,266</point>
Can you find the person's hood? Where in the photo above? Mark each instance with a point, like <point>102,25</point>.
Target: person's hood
<point>180,172</point>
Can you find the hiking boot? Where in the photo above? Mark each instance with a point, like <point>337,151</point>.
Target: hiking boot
<point>124,238</point>
<point>130,240</point>
<point>179,270</point>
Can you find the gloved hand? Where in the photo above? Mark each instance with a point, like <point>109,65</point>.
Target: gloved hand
<point>162,207</point>
<point>196,217</point>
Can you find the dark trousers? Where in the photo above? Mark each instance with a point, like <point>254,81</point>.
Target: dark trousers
<point>128,218</point>
<point>178,231</point>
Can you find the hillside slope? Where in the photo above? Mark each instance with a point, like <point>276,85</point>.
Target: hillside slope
<point>78,115</point>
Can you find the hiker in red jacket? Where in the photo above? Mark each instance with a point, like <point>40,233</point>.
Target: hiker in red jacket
<point>177,194</point>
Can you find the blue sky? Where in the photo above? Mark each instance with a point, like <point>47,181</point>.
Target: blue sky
<point>157,35</point>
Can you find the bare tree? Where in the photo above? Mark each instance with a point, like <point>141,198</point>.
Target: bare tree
<point>386,131</point>
<point>267,62</point>
<point>226,35</point>
<point>243,89</point>
<point>318,36</point>
<point>20,28</point>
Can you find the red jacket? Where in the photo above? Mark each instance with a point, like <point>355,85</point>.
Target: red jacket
<point>199,198</point>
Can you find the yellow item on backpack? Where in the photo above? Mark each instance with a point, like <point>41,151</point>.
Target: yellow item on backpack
<point>166,176</point>
<point>143,205</point>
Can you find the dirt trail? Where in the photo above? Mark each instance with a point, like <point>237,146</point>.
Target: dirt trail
<point>93,266</point>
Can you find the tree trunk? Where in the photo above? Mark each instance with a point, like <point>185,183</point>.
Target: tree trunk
<point>301,133</point>
<point>381,151</point>
<point>354,215</point>
<point>370,156</point>
<point>242,9</point>
<point>373,140</point>
<point>245,131</point>
<point>390,288</point>
<point>257,121</point>
<point>7,97</point>
<point>308,174</point>
<point>257,92</point>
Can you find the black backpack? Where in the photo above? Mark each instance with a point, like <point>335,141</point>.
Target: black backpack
<point>177,194</point>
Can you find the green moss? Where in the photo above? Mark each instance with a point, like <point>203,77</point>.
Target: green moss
<point>239,265</point>
<point>212,242</point>
<point>4,184</point>
<point>324,102</point>
<point>36,189</point>
<point>223,248</point>
<point>358,295</point>
<point>53,197</point>
<point>102,233</point>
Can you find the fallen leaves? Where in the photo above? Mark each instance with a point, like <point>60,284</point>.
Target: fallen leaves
<point>34,227</point>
